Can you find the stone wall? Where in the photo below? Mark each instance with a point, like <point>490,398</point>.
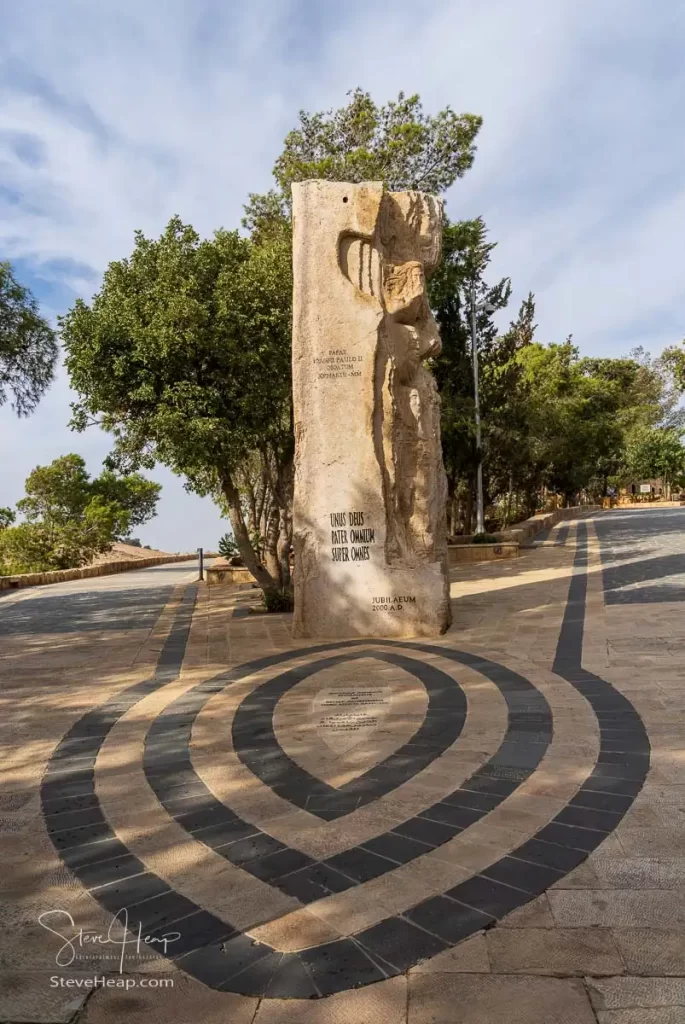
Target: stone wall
<point>228,575</point>
<point>528,528</point>
<point>35,579</point>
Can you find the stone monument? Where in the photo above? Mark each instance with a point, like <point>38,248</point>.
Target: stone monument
<point>369,530</point>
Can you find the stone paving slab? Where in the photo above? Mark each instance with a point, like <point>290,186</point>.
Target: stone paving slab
<point>188,1002</point>
<point>659,1015</point>
<point>479,999</point>
<point>557,951</point>
<point>629,993</point>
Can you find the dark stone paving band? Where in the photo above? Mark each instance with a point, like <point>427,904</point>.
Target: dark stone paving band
<point>255,742</point>
<point>223,958</point>
<point>187,799</point>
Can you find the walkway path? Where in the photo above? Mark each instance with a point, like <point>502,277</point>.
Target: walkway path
<point>489,827</point>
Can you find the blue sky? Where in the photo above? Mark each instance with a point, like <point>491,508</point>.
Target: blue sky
<point>116,115</point>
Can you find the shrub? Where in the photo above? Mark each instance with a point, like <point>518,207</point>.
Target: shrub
<point>228,547</point>
<point>279,601</point>
<point>484,538</point>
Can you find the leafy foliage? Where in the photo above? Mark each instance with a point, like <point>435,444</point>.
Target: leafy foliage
<point>584,412</point>
<point>28,347</point>
<point>227,546</point>
<point>459,283</point>
<point>184,352</point>
<point>552,420</point>
<point>185,356</point>
<point>654,452</point>
<point>396,143</point>
<point>133,493</point>
<point>7,517</point>
<point>60,494</point>
<point>70,518</point>
<point>673,359</point>
<point>42,547</point>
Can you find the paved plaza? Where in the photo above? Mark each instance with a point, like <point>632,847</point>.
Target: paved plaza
<point>487,828</point>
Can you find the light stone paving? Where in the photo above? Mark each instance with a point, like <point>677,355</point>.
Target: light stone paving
<point>604,943</point>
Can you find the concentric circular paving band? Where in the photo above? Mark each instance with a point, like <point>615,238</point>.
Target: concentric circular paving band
<point>222,957</point>
<point>174,780</point>
<point>255,743</point>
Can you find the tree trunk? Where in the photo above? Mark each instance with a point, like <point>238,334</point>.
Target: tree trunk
<point>468,511</point>
<point>451,503</point>
<point>510,497</point>
<point>264,579</point>
<point>280,471</point>
<point>284,544</point>
<point>271,544</point>
<point>253,522</point>
<point>264,496</point>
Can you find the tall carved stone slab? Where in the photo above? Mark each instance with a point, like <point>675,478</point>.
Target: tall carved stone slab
<point>369,511</point>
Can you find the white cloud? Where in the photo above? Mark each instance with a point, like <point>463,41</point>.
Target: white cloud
<point>134,111</point>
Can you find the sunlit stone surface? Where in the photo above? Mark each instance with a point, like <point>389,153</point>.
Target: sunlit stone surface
<point>369,511</point>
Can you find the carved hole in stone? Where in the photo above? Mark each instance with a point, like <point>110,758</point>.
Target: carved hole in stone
<point>359,263</point>
<point>344,199</point>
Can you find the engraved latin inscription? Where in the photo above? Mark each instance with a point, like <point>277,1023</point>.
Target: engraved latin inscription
<point>351,536</point>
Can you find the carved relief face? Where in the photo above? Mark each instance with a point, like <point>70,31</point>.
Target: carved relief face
<point>410,235</point>
<point>391,267</point>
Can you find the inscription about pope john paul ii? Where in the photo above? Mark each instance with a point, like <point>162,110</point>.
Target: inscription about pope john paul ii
<point>351,540</point>
<point>336,364</point>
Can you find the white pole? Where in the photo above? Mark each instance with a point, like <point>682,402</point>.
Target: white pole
<point>480,513</point>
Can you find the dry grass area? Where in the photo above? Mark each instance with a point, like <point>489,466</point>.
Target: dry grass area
<point>125,552</point>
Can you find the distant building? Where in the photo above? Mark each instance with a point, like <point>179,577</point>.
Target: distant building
<point>646,490</point>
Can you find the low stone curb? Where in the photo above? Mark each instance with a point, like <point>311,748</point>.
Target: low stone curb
<point>528,528</point>
<point>35,579</point>
<point>228,574</point>
<point>463,553</point>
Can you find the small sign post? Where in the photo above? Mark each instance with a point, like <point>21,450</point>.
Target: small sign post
<point>200,555</point>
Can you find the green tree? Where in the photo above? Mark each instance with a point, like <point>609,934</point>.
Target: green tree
<point>465,260</point>
<point>508,468</point>
<point>7,517</point>
<point>136,495</point>
<point>56,494</point>
<point>42,547</point>
<point>28,346</point>
<point>579,414</point>
<point>673,359</point>
<point>70,518</point>
<point>61,493</point>
<point>396,143</point>
<point>184,354</point>
<point>654,452</point>
<point>27,548</point>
